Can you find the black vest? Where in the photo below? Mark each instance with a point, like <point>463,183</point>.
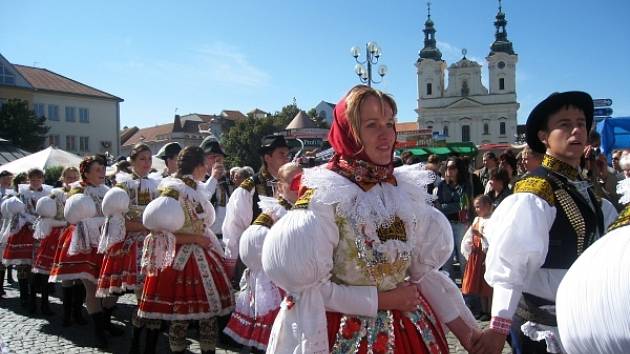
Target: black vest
<point>261,186</point>
<point>563,237</point>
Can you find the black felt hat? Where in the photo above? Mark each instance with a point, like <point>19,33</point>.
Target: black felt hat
<point>169,151</point>
<point>210,145</point>
<point>271,142</point>
<point>540,114</point>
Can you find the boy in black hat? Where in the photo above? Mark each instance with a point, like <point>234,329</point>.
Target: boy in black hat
<point>217,184</point>
<point>539,231</point>
<point>243,206</point>
<point>169,153</point>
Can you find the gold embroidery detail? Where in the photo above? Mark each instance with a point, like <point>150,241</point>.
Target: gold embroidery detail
<point>170,192</point>
<point>144,197</point>
<point>190,182</point>
<point>284,203</point>
<point>248,184</point>
<point>538,186</point>
<point>576,219</point>
<point>395,231</point>
<point>622,220</point>
<point>304,200</point>
<point>563,168</point>
<point>264,220</point>
<point>76,190</point>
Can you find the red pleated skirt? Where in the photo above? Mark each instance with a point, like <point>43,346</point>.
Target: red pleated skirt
<point>45,256</point>
<point>187,294</point>
<point>19,248</point>
<point>80,266</point>
<point>250,331</point>
<point>417,332</point>
<point>121,267</point>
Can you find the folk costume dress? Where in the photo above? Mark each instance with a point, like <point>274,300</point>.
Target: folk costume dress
<point>48,229</point>
<point>20,245</point>
<point>356,231</point>
<point>474,247</point>
<point>183,281</point>
<point>535,235</point>
<point>77,257</point>
<point>123,250</point>
<point>592,301</point>
<point>258,301</point>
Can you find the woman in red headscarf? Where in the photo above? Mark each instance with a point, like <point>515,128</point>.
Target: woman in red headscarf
<point>359,254</point>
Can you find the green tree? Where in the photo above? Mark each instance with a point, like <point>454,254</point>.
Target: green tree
<point>241,142</point>
<point>320,122</point>
<point>21,126</point>
<point>52,175</point>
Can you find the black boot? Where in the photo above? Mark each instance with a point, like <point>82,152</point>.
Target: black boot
<point>112,329</point>
<point>68,293</point>
<point>2,293</point>
<point>32,294</point>
<point>23,283</point>
<point>10,275</point>
<point>151,341</point>
<point>78,294</point>
<point>43,284</point>
<point>135,340</point>
<point>98,321</point>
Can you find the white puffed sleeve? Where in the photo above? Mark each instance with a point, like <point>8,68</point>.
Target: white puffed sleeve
<point>238,217</point>
<point>433,245</point>
<point>298,256</point>
<point>115,205</point>
<point>518,237</point>
<point>592,302</point>
<point>163,216</point>
<point>46,208</point>
<point>467,242</point>
<point>250,246</point>
<point>80,210</point>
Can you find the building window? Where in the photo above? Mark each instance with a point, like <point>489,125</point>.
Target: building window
<point>430,127</point>
<point>53,112</point>
<point>84,115</point>
<point>502,128</point>
<point>465,133</point>
<point>71,142</point>
<point>486,129</point>
<point>465,88</point>
<point>53,140</point>
<point>38,108</point>
<point>501,84</point>
<point>6,76</point>
<point>71,114</point>
<point>429,89</point>
<point>445,130</point>
<point>84,143</point>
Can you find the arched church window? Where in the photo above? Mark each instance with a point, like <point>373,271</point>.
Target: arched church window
<point>465,88</point>
<point>465,133</point>
<point>502,128</point>
<point>445,130</point>
<point>501,84</point>
<point>429,89</point>
<point>486,129</point>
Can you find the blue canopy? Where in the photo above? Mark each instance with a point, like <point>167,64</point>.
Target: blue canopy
<point>615,133</point>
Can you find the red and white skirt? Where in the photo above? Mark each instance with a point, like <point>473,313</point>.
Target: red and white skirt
<point>417,332</point>
<point>120,271</point>
<point>19,248</point>
<point>80,266</point>
<point>45,255</point>
<point>194,287</point>
<point>257,305</point>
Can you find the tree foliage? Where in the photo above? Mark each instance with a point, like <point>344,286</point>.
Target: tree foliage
<point>242,141</point>
<point>21,126</point>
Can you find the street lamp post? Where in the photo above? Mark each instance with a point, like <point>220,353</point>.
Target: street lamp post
<point>373,53</point>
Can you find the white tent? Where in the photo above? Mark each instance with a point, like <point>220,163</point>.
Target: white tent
<point>43,159</point>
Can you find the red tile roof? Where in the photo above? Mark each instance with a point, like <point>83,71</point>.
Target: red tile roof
<point>406,126</point>
<point>150,134</point>
<point>233,115</point>
<point>46,80</point>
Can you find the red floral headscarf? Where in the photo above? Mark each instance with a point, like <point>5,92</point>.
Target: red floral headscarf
<point>350,159</point>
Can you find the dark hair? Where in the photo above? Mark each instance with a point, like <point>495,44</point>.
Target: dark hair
<point>20,178</point>
<point>510,159</point>
<point>500,175</point>
<point>462,172</point>
<point>433,159</point>
<point>483,198</point>
<point>35,172</point>
<point>137,149</point>
<point>188,159</point>
<point>490,155</point>
<point>86,165</point>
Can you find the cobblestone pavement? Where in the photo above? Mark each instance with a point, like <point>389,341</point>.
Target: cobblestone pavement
<point>20,333</point>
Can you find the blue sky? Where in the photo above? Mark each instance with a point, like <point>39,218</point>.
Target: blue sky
<point>206,56</point>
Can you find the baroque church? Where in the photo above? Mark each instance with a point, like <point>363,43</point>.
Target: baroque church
<point>465,110</point>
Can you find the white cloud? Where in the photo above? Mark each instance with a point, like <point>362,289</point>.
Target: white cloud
<point>227,65</point>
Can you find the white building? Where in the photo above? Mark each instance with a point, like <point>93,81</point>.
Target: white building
<point>82,119</point>
<point>463,109</point>
<point>325,111</point>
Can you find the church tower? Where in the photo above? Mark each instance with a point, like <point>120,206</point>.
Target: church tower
<point>502,59</point>
<point>430,66</point>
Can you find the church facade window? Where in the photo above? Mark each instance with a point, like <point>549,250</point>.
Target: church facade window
<point>465,133</point>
